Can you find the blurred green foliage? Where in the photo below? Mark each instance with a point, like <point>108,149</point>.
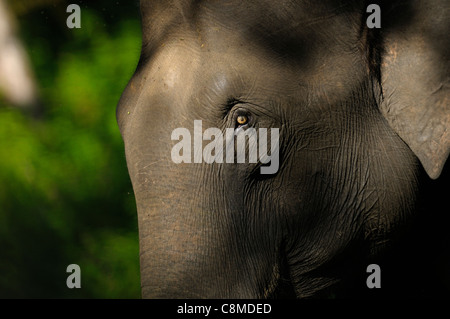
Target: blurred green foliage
<point>65,194</point>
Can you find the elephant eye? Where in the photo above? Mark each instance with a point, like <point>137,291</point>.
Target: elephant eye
<point>242,120</point>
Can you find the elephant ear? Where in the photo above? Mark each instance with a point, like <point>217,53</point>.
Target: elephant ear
<point>415,77</point>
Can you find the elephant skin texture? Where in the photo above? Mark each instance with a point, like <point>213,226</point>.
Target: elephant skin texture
<point>362,117</point>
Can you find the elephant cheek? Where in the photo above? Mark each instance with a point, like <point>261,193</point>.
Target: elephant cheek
<point>192,250</point>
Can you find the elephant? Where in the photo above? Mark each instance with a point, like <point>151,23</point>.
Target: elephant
<point>362,117</point>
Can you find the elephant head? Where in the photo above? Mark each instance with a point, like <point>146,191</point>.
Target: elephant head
<point>358,114</point>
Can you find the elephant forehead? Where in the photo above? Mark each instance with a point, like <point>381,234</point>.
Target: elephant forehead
<point>186,69</point>
<point>172,71</point>
<point>274,51</point>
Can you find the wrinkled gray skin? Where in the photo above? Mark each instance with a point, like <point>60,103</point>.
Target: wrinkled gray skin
<point>361,113</point>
